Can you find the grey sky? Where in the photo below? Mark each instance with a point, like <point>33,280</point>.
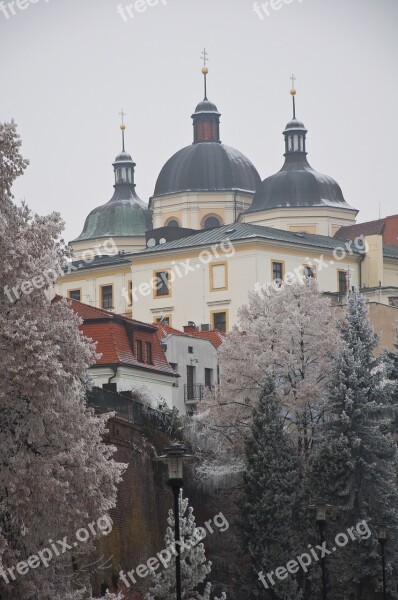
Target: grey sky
<point>69,66</point>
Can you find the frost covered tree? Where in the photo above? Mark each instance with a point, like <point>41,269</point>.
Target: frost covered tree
<point>269,501</point>
<point>287,330</point>
<point>56,474</point>
<point>355,468</point>
<point>194,566</point>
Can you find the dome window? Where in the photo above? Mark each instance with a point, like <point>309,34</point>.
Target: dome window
<point>211,222</point>
<point>173,223</point>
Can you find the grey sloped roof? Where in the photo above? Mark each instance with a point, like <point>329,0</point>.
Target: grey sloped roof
<point>98,261</point>
<point>390,251</point>
<point>208,166</point>
<point>246,231</point>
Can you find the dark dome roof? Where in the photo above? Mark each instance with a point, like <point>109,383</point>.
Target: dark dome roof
<point>123,157</point>
<point>124,215</point>
<point>206,106</point>
<point>209,166</point>
<point>295,124</point>
<point>297,184</point>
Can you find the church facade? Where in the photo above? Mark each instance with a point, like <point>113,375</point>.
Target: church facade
<point>213,230</point>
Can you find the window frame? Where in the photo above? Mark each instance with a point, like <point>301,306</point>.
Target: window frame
<point>339,272</point>
<point>220,263</point>
<point>218,311</point>
<point>104,285</point>
<point>68,292</point>
<point>157,296</point>
<point>279,262</point>
<point>148,355</point>
<point>139,351</point>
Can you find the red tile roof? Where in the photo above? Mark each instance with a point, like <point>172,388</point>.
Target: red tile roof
<point>113,334</point>
<point>387,227</point>
<point>163,330</point>
<point>215,336</point>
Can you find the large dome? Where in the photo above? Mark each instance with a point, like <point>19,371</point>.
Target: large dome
<point>207,166</point>
<point>297,184</point>
<point>120,217</point>
<point>125,215</point>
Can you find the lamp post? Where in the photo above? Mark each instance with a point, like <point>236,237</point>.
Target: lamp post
<point>382,537</point>
<point>320,519</point>
<point>174,457</point>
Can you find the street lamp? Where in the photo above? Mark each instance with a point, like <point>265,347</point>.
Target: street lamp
<point>320,519</point>
<point>382,537</point>
<point>174,457</point>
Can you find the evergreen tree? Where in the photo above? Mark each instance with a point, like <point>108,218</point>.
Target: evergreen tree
<point>355,468</point>
<point>269,499</point>
<point>194,566</point>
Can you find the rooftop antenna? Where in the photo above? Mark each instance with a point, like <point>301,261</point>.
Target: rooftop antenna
<point>123,126</point>
<point>205,70</point>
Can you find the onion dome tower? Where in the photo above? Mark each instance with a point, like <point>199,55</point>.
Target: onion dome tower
<point>208,183</point>
<point>125,218</point>
<point>298,198</point>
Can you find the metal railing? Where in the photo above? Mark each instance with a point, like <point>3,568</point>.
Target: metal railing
<point>193,392</point>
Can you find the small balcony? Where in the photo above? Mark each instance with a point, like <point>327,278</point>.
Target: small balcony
<point>193,393</point>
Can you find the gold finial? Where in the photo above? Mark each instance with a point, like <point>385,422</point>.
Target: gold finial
<point>293,90</point>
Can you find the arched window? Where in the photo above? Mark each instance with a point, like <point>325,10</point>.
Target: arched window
<point>173,223</point>
<point>211,222</point>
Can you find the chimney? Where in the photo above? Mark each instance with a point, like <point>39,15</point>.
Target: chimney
<point>191,327</point>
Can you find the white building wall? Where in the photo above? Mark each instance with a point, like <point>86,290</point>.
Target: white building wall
<point>191,296</point>
<point>204,356</point>
<point>90,288</point>
<point>159,386</point>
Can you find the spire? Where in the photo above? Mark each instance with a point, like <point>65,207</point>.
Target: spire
<point>293,94</point>
<point>206,118</point>
<point>295,131</point>
<point>205,70</point>
<point>123,127</point>
<point>124,165</point>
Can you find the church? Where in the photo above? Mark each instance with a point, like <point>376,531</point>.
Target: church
<point>213,230</point>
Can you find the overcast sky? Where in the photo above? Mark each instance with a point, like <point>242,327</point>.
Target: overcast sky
<point>69,66</point>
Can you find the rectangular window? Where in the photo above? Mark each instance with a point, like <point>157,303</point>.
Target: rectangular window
<point>130,292</point>
<point>218,277</point>
<point>148,352</point>
<point>277,271</point>
<point>219,320</point>
<point>140,354</point>
<point>162,285</point>
<point>174,366</point>
<point>190,394</point>
<point>74,295</point>
<point>209,378</point>
<point>309,272</point>
<point>166,320</point>
<point>107,296</point>
<point>343,282</point>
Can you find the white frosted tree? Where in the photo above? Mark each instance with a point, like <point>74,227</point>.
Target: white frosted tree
<point>194,566</point>
<point>56,473</point>
<point>289,332</point>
